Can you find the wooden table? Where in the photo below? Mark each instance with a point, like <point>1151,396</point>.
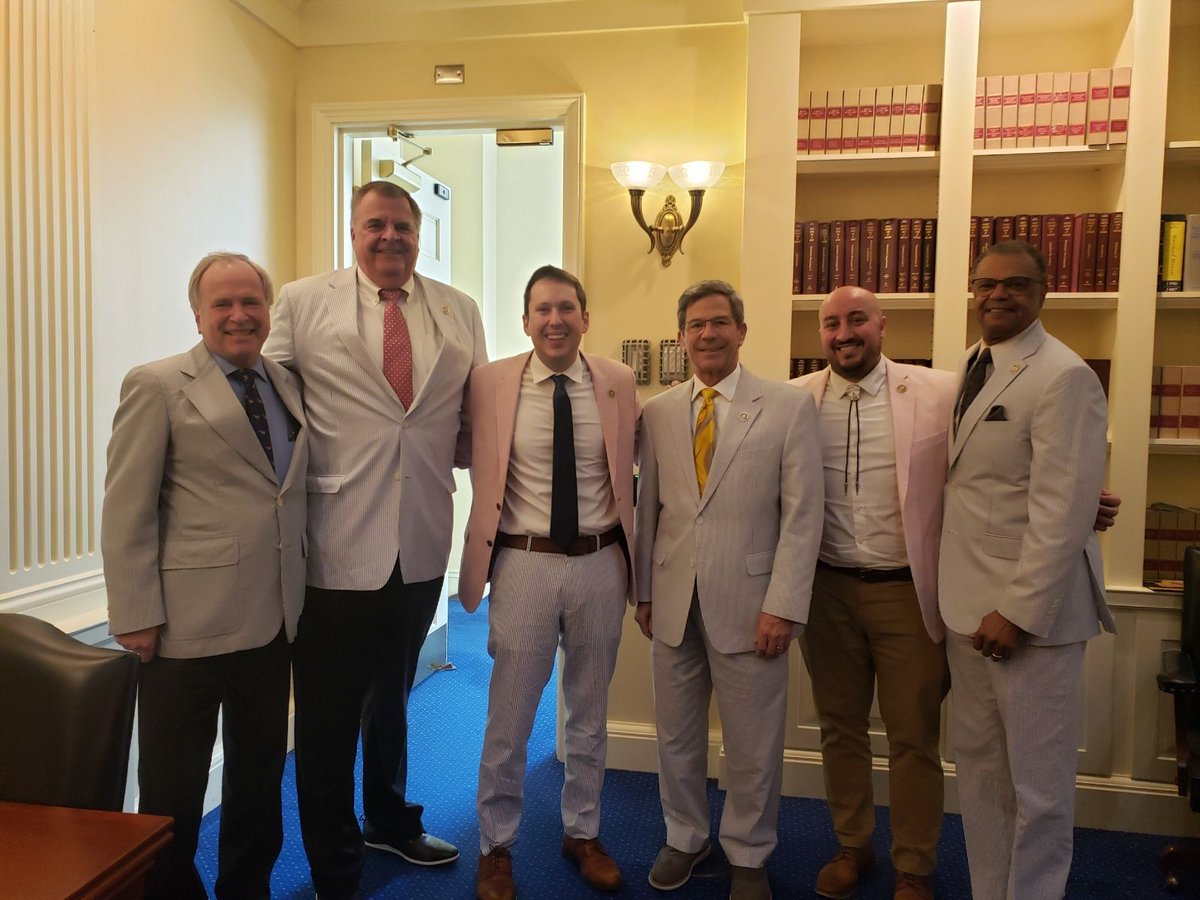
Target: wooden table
<point>54,852</point>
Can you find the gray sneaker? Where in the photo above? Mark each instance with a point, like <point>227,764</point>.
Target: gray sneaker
<point>672,868</point>
<point>749,884</point>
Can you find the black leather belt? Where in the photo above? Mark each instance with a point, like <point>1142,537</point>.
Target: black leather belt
<point>588,543</point>
<point>870,576</point>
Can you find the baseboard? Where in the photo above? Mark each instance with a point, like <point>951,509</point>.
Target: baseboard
<point>1111,804</point>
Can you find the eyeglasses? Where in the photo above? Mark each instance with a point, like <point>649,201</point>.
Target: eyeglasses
<point>1018,284</point>
<point>696,326</point>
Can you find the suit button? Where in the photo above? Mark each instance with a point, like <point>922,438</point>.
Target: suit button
<point>489,543</point>
<point>498,506</point>
<point>398,476</point>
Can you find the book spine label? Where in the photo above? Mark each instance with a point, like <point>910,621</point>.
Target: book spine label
<point>802,119</point>
<point>823,257</point>
<point>1060,109</point>
<point>1035,231</point>
<point>928,255</point>
<point>980,108</point>
<point>1103,223</point>
<point>1050,248</point>
<point>1021,227</point>
<point>1002,229</point>
<point>1026,109</point>
<point>853,251</point>
<point>1087,258</point>
<point>798,258</point>
<point>914,95</point>
<point>993,102</point>
<point>833,122</point>
<point>812,250</point>
<point>850,121</point>
<point>1118,108</point>
<point>1077,112</point>
<point>1174,232</point>
<point>903,254</point>
<point>914,256</point>
<point>1112,277</point>
<point>837,255</point>
<point>1068,273</point>
<point>896,122</point>
<point>1043,110</point>
<point>883,119</point>
<point>816,123</point>
<point>866,120</point>
<point>972,244</point>
<point>1010,97</point>
<point>931,117</point>
<point>888,250</point>
<point>869,270</point>
<point>1099,86</point>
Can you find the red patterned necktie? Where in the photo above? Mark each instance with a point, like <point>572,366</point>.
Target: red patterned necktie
<point>397,347</point>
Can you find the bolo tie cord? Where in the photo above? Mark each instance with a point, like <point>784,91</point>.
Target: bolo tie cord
<point>853,393</point>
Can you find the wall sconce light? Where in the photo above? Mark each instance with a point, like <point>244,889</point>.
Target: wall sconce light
<point>668,231</point>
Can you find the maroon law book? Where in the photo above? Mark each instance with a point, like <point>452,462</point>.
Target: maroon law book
<point>869,267</point>
<point>903,254</point>
<point>889,247</point>
<point>1112,276</point>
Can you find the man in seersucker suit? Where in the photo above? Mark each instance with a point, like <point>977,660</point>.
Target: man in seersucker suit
<point>202,536</point>
<point>552,448</point>
<point>385,355</point>
<point>727,525</point>
<point>1020,584</point>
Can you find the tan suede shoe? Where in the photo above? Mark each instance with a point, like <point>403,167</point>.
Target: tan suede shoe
<point>839,877</point>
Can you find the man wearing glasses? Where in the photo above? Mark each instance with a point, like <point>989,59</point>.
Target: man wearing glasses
<point>1020,584</point>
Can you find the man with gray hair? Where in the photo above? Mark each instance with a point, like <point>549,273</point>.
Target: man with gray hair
<point>202,535</point>
<point>727,528</point>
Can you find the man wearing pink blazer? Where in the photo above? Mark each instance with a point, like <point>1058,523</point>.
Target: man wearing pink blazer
<point>551,522</point>
<point>874,611</point>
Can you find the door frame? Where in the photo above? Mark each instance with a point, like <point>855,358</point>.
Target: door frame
<point>331,211</point>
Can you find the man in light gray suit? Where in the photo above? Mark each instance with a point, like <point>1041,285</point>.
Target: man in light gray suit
<point>202,536</point>
<point>727,528</point>
<point>386,355</point>
<point>1020,583</point>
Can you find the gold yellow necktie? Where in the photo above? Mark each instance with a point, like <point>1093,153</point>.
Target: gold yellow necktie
<point>706,433</point>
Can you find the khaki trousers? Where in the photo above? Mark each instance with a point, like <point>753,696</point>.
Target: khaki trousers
<point>860,634</point>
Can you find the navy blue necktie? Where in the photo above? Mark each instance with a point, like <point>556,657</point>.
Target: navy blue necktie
<point>973,384</point>
<point>255,411</point>
<point>564,496</point>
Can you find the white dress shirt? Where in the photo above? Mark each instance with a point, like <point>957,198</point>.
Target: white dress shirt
<point>863,528</point>
<point>426,340</point>
<point>528,489</point>
<point>725,389</point>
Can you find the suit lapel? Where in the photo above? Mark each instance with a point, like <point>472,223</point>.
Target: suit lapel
<point>507,396</point>
<point>679,424</point>
<point>743,410</point>
<point>903,398</point>
<point>342,301</point>
<point>281,380</point>
<point>820,384</point>
<point>439,318</point>
<point>606,404</point>
<point>212,395</point>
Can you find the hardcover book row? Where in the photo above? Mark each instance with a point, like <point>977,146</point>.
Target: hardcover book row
<point>1175,402</point>
<point>1170,530</point>
<point>1179,253</point>
<point>1052,109</point>
<point>1082,250</point>
<point>869,120</point>
<point>882,255</point>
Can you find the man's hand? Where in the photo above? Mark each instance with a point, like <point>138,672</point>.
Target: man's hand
<point>772,636</point>
<point>143,642</point>
<point>1110,505</point>
<point>997,637</point>
<point>642,616</point>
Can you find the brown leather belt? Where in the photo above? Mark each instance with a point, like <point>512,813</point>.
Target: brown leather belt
<point>588,543</point>
<point>870,576</point>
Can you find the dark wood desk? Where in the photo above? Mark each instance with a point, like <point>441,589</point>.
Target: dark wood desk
<point>54,852</point>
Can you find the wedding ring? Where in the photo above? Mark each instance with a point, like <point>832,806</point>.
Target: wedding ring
<point>997,656</point>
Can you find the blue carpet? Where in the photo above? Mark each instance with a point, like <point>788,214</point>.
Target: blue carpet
<point>447,717</point>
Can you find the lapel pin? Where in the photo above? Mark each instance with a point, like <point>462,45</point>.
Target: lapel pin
<point>743,416</point>
<point>1014,368</point>
<point>611,392</point>
<point>445,310</point>
<point>901,388</point>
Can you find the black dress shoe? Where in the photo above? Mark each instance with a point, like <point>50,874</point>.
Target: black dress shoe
<point>422,850</point>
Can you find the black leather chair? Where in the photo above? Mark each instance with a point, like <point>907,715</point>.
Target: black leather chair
<point>66,717</point>
<point>1178,678</point>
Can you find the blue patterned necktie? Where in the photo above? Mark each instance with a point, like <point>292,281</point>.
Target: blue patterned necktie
<point>255,411</point>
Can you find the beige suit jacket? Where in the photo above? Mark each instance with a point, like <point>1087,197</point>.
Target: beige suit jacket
<point>750,543</point>
<point>197,535</point>
<point>381,477</point>
<point>922,401</point>
<point>495,392</point>
<point>1025,469</point>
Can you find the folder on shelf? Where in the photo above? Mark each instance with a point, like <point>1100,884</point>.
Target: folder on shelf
<point>1099,85</point>
<point>1077,111</point>
<point>1043,109</point>
<point>1118,109</point>
<point>1009,99</point>
<point>1060,109</point>
<point>1026,109</point>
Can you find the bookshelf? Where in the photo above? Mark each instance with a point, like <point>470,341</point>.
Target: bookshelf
<point>796,46</point>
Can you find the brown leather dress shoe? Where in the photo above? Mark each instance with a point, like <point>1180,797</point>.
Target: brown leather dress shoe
<point>597,867</point>
<point>494,880</point>
<point>913,887</point>
<point>839,877</point>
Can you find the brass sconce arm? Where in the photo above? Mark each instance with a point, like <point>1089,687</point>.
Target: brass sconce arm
<point>669,228</point>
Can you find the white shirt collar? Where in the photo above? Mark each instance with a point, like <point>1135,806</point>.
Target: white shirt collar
<point>871,383</point>
<point>540,371</point>
<point>374,289</point>
<point>726,387</point>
